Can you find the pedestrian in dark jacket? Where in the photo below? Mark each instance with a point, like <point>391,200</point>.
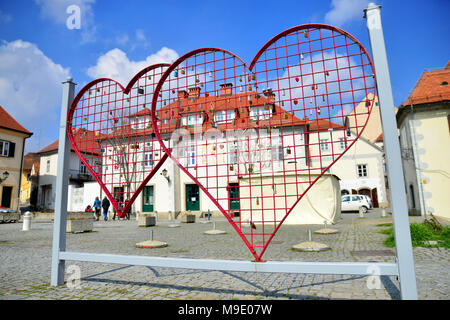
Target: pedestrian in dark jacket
<point>105,206</point>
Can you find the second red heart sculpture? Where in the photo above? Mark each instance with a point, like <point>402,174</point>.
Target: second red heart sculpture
<point>256,138</point>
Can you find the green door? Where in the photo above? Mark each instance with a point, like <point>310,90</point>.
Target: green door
<point>147,199</point>
<point>192,197</point>
<point>233,195</point>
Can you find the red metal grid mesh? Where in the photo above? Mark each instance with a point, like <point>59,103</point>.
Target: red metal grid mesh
<point>256,138</point>
<point>110,129</point>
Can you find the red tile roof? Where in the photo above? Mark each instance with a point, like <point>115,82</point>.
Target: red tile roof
<point>380,138</point>
<point>207,106</point>
<point>433,86</point>
<point>8,122</point>
<point>86,142</point>
<point>29,159</point>
<point>322,124</point>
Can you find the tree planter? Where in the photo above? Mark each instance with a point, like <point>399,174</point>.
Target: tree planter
<point>188,218</point>
<point>146,220</point>
<point>78,226</point>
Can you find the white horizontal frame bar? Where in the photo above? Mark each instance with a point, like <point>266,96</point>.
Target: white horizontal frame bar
<point>349,268</point>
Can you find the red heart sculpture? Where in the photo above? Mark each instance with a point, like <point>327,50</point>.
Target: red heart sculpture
<point>110,129</point>
<point>255,139</point>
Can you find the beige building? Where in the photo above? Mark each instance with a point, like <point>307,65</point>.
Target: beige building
<point>361,169</point>
<point>78,177</point>
<point>424,123</point>
<point>357,117</point>
<point>12,145</point>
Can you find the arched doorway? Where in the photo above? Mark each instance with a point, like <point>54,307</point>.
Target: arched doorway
<point>372,193</point>
<point>365,191</point>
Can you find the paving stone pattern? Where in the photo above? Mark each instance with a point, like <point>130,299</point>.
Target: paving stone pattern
<point>26,258</point>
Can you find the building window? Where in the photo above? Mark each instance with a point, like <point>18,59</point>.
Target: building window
<point>277,153</point>
<point>342,144</point>
<point>362,170</point>
<point>193,119</point>
<point>148,160</point>
<point>324,145</point>
<point>233,153</point>
<point>413,200</point>
<point>48,166</point>
<point>191,160</point>
<point>260,113</point>
<point>224,116</point>
<point>82,167</point>
<point>7,149</point>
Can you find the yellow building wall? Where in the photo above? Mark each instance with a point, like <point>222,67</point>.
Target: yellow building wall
<point>433,144</point>
<point>25,187</point>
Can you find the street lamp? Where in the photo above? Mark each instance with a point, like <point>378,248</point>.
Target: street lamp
<point>5,176</point>
<point>164,174</point>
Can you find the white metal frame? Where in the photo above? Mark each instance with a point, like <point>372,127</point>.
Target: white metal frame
<point>403,267</point>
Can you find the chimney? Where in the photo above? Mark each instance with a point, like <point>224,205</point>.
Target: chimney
<point>182,94</point>
<point>226,89</point>
<point>194,92</point>
<point>271,97</point>
<point>447,66</point>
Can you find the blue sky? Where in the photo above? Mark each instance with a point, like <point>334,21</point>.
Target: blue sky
<point>118,38</point>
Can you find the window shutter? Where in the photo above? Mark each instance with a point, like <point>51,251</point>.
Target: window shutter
<point>12,148</point>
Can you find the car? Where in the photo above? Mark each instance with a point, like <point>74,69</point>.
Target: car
<point>369,200</point>
<point>6,210</point>
<point>8,215</point>
<point>352,202</point>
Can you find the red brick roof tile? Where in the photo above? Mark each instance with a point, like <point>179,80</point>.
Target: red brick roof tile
<point>433,86</point>
<point>8,122</point>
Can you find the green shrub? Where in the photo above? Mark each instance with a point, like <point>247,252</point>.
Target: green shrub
<point>421,232</point>
<point>445,237</point>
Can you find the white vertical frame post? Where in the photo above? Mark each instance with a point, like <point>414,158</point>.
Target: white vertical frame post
<point>405,258</point>
<point>60,216</point>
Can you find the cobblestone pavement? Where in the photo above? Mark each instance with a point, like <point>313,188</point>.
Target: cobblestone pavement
<point>26,258</point>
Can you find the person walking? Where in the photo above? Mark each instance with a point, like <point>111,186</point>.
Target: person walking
<point>129,209</point>
<point>105,206</point>
<point>97,207</point>
<point>114,209</point>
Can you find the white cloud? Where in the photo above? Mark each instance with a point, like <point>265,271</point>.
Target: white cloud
<point>122,39</point>
<point>140,35</point>
<point>55,10</point>
<point>4,17</point>
<point>30,88</point>
<point>116,65</point>
<point>343,11</point>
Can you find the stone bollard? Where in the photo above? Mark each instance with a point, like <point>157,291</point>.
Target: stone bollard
<point>361,212</point>
<point>26,221</point>
<point>383,213</point>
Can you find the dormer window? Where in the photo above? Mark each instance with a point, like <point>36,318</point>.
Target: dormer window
<point>260,113</point>
<point>225,116</point>
<point>139,122</point>
<point>192,120</point>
